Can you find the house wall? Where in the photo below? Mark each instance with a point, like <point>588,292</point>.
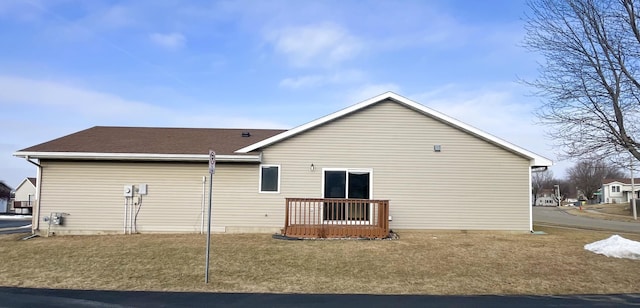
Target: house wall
<point>23,192</point>
<point>611,196</point>
<point>91,192</point>
<point>546,201</point>
<point>470,184</point>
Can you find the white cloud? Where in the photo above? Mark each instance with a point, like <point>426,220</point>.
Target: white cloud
<point>57,95</point>
<point>115,17</point>
<point>172,40</point>
<point>21,10</point>
<point>310,81</point>
<point>500,109</point>
<point>54,103</point>
<point>323,44</point>
<point>51,109</point>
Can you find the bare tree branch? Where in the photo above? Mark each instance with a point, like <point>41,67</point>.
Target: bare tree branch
<point>590,74</point>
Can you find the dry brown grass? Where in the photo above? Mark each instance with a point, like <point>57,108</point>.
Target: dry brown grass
<point>611,211</point>
<point>418,263</point>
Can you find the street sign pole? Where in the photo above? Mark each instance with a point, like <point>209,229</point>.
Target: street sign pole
<point>633,192</point>
<point>212,170</point>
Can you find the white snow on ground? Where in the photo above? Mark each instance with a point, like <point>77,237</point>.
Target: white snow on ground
<point>15,217</point>
<point>616,246</point>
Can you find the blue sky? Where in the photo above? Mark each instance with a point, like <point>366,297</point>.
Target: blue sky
<point>68,65</point>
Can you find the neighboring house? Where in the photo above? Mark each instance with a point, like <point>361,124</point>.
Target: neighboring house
<point>619,190</point>
<point>432,171</point>
<point>546,197</point>
<point>5,196</point>
<point>25,196</point>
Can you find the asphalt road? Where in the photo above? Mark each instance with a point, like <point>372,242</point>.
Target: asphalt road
<point>558,216</point>
<point>26,297</point>
<point>12,224</point>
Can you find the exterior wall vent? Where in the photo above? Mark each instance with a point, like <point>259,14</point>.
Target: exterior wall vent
<point>246,134</point>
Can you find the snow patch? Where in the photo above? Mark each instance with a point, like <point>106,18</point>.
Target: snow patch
<point>616,246</point>
<point>16,217</point>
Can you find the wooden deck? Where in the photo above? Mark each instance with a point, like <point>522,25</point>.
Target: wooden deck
<point>336,218</point>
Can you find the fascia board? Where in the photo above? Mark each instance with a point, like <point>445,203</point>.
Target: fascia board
<point>535,159</point>
<point>22,183</point>
<point>138,156</point>
<point>314,123</point>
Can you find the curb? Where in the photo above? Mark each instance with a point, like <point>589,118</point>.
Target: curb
<point>560,226</point>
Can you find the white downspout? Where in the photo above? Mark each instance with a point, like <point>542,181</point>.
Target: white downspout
<point>126,207</point>
<point>131,207</point>
<point>35,219</point>
<point>530,202</point>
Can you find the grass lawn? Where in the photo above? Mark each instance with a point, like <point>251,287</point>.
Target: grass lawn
<point>609,211</point>
<point>417,263</point>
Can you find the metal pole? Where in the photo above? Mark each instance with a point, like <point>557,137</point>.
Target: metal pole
<point>206,273</point>
<point>633,192</point>
<point>204,193</point>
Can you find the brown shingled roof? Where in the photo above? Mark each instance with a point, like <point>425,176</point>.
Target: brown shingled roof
<point>624,181</point>
<point>154,140</point>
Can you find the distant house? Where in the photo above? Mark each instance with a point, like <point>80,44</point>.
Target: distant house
<point>385,162</point>
<point>5,196</point>
<point>25,196</point>
<point>546,197</point>
<point>619,190</point>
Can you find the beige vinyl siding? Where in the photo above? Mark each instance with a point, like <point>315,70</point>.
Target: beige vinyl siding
<point>23,192</point>
<point>91,192</point>
<point>470,184</point>
<point>238,206</point>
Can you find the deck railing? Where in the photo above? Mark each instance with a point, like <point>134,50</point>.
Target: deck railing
<point>335,218</point>
<point>22,204</point>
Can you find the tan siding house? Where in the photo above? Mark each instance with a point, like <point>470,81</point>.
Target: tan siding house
<point>25,196</point>
<point>435,172</point>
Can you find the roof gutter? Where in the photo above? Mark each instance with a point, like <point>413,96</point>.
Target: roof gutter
<point>539,168</point>
<point>31,161</point>
<point>249,158</point>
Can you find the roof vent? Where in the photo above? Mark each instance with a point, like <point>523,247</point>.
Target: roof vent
<point>246,134</point>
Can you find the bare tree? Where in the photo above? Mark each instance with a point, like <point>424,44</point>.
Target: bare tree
<point>590,75</point>
<point>587,176</point>
<point>566,189</point>
<point>539,181</point>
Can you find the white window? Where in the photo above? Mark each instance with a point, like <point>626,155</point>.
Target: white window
<point>269,178</point>
<point>615,188</point>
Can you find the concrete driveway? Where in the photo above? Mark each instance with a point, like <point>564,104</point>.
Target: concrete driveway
<point>558,216</point>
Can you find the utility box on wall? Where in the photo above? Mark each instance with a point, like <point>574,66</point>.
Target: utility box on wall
<point>142,189</point>
<point>128,190</point>
<point>57,219</point>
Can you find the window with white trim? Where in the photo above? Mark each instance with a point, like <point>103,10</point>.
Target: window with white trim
<point>347,184</point>
<point>269,178</point>
<point>615,188</point>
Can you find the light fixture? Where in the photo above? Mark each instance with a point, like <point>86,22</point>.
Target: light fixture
<point>312,167</point>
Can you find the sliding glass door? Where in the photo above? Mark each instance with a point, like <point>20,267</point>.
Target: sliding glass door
<point>347,184</point>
